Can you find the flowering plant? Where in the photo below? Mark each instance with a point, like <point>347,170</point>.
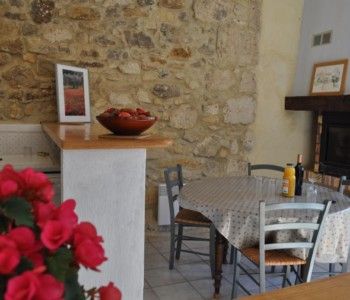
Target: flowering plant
<point>42,246</point>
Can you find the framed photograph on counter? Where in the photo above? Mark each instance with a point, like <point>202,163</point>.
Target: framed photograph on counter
<point>73,101</point>
<point>328,78</point>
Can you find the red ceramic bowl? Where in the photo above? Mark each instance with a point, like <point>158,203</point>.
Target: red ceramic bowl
<point>121,126</point>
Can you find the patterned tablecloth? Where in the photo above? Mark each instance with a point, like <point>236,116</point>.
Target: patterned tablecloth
<point>232,204</point>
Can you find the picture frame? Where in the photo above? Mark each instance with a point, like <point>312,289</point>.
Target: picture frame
<point>73,98</point>
<point>328,78</point>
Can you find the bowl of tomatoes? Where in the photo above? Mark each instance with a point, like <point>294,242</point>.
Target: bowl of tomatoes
<point>126,121</point>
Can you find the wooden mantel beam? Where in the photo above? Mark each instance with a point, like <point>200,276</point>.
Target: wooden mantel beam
<point>318,103</point>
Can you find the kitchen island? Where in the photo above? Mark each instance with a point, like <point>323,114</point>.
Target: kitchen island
<point>106,177</point>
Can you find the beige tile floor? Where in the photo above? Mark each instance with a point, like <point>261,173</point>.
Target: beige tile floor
<point>190,279</point>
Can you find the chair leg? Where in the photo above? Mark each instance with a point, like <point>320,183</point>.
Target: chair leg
<point>179,241</point>
<point>236,261</point>
<point>331,269</point>
<point>212,250</point>
<point>297,275</point>
<point>344,267</point>
<point>286,270</point>
<point>231,255</point>
<point>172,246</point>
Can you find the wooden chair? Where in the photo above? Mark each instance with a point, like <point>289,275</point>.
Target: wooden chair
<point>185,218</point>
<point>272,254</point>
<point>343,182</point>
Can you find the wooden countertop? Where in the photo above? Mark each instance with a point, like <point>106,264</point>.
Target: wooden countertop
<point>86,136</point>
<point>337,287</point>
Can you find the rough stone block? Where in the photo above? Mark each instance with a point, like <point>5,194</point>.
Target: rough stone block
<point>166,91</point>
<point>42,11</point>
<point>130,68</point>
<point>240,110</point>
<point>185,117</point>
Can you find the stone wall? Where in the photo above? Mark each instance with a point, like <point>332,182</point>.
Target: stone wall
<point>190,62</point>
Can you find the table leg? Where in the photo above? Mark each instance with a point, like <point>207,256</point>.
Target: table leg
<point>219,257</point>
<point>225,252</point>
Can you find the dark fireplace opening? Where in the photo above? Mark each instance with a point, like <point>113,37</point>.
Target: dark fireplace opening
<point>335,144</point>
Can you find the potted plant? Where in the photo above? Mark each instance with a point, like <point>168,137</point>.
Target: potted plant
<point>43,246</point>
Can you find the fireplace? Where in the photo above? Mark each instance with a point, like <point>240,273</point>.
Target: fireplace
<point>334,156</point>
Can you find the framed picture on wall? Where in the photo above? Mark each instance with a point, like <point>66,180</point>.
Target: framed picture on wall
<point>73,101</point>
<point>328,78</point>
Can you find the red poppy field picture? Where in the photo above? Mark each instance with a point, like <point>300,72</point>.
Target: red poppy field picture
<point>73,82</point>
<point>73,99</point>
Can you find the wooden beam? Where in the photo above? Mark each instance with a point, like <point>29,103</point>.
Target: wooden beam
<point>318,103</point>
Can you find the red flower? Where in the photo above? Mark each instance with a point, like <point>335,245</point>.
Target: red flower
<point>24,239</point>
<point>55,234</point>
<point>83,231</point>
<point>65,213</point>
<point>37,187</point>
<point>90,254</point>
<point>32,286</point>
<point>50,288</point>
<point>8,188</point>
<point>43,212</point>
<point>27,245</point>
<point>9,255</point>
<point>11,182</point>
<point>109,292</point>
<point>48,211</point>
<point>22,287</point>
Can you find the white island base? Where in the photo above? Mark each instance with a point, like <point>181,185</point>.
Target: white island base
<point>108,183</point>
<point>109,187</point>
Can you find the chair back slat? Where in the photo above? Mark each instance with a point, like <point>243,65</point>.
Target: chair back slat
<point>174,183</point>
<point>264,167</point>
<point>296,206</point>
<point>291,245</point>
<point>291,226</point>
<point>311,245</point>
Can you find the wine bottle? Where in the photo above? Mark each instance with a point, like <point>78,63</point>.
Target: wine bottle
<point>299,176</point>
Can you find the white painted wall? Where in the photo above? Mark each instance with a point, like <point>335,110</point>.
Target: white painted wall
<point>279,134</point>
<point>320,16</point>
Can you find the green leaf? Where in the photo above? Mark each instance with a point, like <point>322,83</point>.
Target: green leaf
<point>19,210</point>
<point>3,224</point>
<point>72,289</point>
<point>24,265</point>
<point>60,263</point>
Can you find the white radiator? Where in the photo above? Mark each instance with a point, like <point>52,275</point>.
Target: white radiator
<point>163,206</point>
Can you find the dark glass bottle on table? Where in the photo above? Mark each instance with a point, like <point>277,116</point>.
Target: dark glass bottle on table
<point>299,176</point>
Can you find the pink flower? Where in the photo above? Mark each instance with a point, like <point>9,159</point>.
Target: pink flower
<point>22,287</point>
<point>37,187</point>
<point>83,231</point>
<point>9,255</point>
<point>45,212</point>
<point>32,286</point>
<point>24,239</point>
<point>55,234</point>
<point>8,188</point>
<point>49,288</point>
<point>109,292</point>
<point>90,254</point>
<point>65,213</point>
<point>27,245</point>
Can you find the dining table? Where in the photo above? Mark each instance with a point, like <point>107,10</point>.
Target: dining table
<point>232,204</point>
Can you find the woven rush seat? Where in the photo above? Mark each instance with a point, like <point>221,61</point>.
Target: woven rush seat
<point>190,217</point>
<point>273,257</point>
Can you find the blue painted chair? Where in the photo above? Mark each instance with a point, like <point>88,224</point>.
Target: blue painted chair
<point>274,254</point>
<point>185,218</point>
